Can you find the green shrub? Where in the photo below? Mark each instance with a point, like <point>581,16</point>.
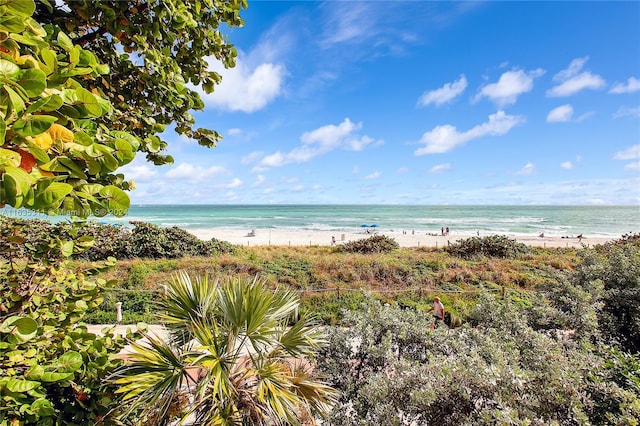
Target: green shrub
<point>632,239</point>
<point>374,244</point>
<point>101,241</point>
<point>617,274</point>
<point>137,306</point>
<point>329,308</point>
<point>52,367</point>
<point>152,241</point>
<point>490,246</point>
<point>392,369</point>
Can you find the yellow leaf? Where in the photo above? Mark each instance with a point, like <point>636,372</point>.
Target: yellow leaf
<point>60,132</point>
<point>43,140</point>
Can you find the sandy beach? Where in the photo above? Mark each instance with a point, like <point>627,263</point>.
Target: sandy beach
<point>265,237</point>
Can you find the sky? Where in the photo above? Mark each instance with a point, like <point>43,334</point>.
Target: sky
<point>418,102</point>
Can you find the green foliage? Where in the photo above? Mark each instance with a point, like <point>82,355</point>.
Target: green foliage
<point>53,368</point>
<point>329,308</point>
<point>626,240</point>
<point>490,246</point>
<point>374,244</point>
<point>249,366</point>
<point>617,277</point>
<point>138,306</point>
<point>156,52</point>
<point>150,241</point>
<point>53,156</point>
<point>391,368</point>
<point>88,84</point>
<point>99,241</point>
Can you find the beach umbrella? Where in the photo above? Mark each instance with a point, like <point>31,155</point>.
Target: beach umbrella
<point>375,225</point>
<point>364,225</point>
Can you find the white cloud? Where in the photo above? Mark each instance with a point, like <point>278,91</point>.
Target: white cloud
<point>298,188</point>
<point>510,85</point>
<point>440,168</point>
<point>246,88</point>
<point>374,175</point>
<point>627,112</point>
<point>632,166</point>
<point>528,169</point>
<point>191,173</point>
<point>235,131</point>
<point>251,157</point>
<point>318,142</point>
<point>446,137</point>
<point>260,179</point>
<point>349,24</point>
<point>573,69</point>
<point>139,172</point>
<point>235,183</point>
<point>573,81</point>
<point>633,85</point>
<point>402,170</point>
<point>231,196</point>
<point>445,94</point>
<point>567,165</point>
<point>631,153</point>
<point>562,113</point>
<point>585,116</point>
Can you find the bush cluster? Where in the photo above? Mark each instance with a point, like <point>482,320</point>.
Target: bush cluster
<point>391,368</point>
<point>491,246</point>
<point>374,244</point>
<point>145,240</point>
<point>632,239</point>
<point>151,241</point>
<point>53,368</point>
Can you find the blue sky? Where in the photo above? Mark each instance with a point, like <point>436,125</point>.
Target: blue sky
<point>416,102</point>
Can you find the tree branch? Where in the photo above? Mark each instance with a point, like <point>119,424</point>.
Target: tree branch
<point>89,37</point>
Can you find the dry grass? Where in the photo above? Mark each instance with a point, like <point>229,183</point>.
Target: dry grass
<point>308,268</point>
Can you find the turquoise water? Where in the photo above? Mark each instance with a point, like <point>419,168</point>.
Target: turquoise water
<point>594,221</point>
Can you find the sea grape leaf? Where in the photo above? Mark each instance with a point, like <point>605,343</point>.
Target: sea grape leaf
<point>22,328</point>
<point>33,125</point>
<point>51,196</point>
<point>33,81</point>
<point>21,385</point>
<point>70,361</point>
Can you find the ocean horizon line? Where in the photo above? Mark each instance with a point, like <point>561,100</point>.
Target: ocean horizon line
<point>380,204</point>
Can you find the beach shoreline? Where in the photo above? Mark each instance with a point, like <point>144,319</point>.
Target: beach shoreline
<point>309,238</point>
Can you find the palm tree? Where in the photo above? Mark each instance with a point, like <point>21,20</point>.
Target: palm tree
<point>231,358</point>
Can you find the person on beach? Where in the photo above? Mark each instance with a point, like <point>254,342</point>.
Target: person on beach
<point>333,241</point>
<point>438,312</point>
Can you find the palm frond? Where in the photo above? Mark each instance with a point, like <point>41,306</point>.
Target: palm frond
<point>316,394</point>
<point>232,349</point>
<point>303,338</point>
<point>152,377</point>
<point>187,301</point>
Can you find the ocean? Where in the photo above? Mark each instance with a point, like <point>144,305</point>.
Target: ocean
<point>592,221</point>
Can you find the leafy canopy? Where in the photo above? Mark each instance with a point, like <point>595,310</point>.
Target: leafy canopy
<point>88,84</point>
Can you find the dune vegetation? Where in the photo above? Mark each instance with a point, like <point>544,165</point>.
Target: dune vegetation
<point>537,336</point>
